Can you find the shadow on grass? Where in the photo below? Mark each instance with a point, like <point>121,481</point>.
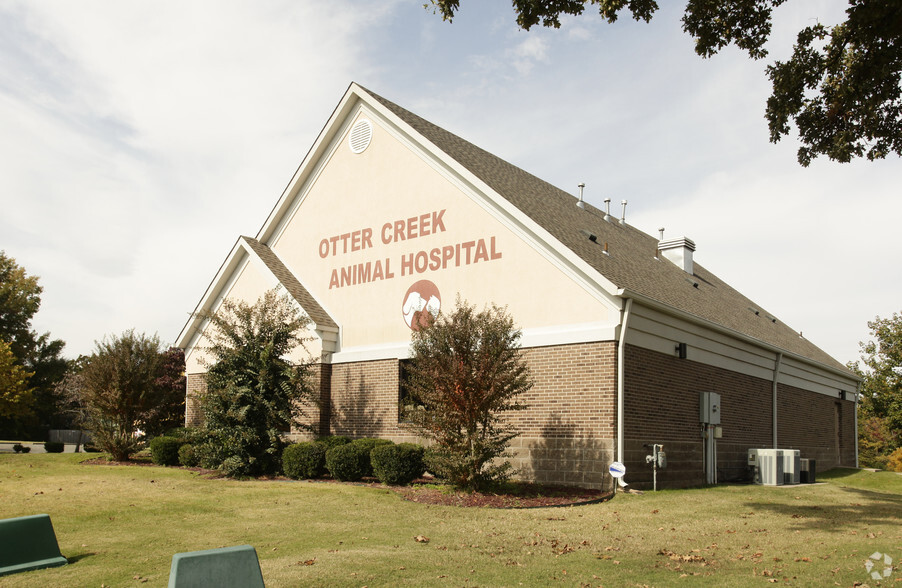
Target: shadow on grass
<point>77,558</point>
<point>864,508</point>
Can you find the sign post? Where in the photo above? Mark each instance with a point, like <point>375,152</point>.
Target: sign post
<point>617,470</point>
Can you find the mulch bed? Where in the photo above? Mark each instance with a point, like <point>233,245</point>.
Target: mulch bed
<point>520,495</point>
<point>426,491</point>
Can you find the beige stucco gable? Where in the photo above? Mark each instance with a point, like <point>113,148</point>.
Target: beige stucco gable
<point>372,233</point>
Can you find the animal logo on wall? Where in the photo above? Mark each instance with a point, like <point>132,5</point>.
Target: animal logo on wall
<point>421,298</point>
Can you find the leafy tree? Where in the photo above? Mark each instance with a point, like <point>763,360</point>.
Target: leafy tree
<point>841,87</point>
<point>15,395</point>
<point>254,394</point>
<point>466,371</point>
<point>170,385</point>
<point>116,392</point>
<point>880,406</point>
<point>20,299</point>
<point>38,355</point>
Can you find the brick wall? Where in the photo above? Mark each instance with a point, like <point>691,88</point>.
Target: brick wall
<point>822,427</point>
<point>566,433</point>
<point>196,384</point>
<point>365,400</point>
<point>662,406</point>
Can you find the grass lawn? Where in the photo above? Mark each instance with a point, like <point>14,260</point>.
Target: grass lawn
<point>120,526</point>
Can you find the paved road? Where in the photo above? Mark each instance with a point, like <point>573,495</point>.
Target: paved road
<point>37,447</point>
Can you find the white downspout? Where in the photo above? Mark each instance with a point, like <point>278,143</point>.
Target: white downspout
<point>777,364</point>
<point>621,347</point>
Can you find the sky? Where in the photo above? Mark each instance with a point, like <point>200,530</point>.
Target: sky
<point>139,140</point>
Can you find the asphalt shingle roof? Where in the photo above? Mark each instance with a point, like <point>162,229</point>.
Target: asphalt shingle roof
<point>291,283</point>
<point>630,261</point>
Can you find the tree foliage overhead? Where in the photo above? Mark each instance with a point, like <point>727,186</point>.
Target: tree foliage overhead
<point>466,372</point>
<point>254,393</point>
<point>842,87</point>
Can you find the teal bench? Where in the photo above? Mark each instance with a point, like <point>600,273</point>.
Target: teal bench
<point>225,567</point>
<point>28,543</point>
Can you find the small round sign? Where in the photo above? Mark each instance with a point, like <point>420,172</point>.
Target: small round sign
<point>617,469</point>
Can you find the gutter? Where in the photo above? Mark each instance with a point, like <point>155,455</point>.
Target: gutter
<point>621,347</point>
<point>651,303</point>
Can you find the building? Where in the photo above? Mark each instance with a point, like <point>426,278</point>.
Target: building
<point>389,215</point>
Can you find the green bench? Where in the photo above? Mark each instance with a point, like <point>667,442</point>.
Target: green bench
<point>28,543</point>
<point>224,568</point>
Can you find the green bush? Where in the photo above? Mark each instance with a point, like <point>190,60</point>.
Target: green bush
<point>398,464</point>
<point>349,462</point>
<point>331,441</point>
<point>431,463</point>
<point>165,450</point>
<point>54,447</point>
<point>369,444</point>
<point>18,447</point>
<point>188,456</point>
<point>303,461</point>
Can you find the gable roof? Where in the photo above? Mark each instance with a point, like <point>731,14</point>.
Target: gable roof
<point>265,257</point>
<point>622,254</point>
<point>294,287</point>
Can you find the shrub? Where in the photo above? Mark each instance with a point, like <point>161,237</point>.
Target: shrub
<point>54,447</point>
<point>302,461</point>
<point>894,461</point>
<point>18,447</point>
<point>165,450</point>
<point>369,444</point>
<point>188,456</point>
<point>26,449</point>
<point>254,393</point>
<point>466,371</point>
<point>349,462</point>
<point>331,441</point>
<point>398,464</point>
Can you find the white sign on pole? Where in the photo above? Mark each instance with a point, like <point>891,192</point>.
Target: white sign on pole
<point>617,469</point>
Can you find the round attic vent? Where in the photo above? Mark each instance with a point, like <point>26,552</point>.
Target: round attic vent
<point>361,135</point>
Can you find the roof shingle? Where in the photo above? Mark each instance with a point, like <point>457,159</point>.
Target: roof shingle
<point>630,262</point>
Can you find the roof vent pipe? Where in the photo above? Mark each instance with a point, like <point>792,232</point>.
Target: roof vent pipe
<point>623,214</point>
<point>580,203</point>
<point>607,209</point>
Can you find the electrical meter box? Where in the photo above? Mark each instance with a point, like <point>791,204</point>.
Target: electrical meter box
<point>709,404</point>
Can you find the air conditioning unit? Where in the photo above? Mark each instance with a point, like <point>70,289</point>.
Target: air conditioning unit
<point>809,471</point>
<point>768,466</point>
<point>792,466</point>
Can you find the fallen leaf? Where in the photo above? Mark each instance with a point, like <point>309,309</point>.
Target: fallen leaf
<point>422,539</point>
